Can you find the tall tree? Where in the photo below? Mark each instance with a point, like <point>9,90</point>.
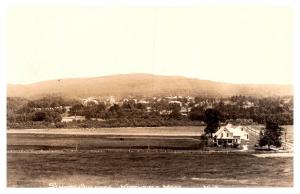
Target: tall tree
<point>212,119</point>
<point>271,135</point>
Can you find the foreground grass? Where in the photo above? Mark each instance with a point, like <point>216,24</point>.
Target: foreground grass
<point>117,169</point>
<point>123,168</point>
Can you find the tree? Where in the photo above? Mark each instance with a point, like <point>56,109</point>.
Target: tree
<point>271,135</point>
<point>141,106</point>
<point>77,109</point>
<point>39,116</point>
<point>100,110</point>
<point>198,99</point>
<point>212,119</point>
<point>47,116</point>
<point>175,114</point>
<point>88,113</point>
<point>53,116</point>
<point>158,106</point>
<point>197,113</point>
<point>115,111</point>
<point>129,105</point>
<point>173,107</point>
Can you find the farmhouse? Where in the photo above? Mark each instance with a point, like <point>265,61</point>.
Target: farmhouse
<point>230,135</point>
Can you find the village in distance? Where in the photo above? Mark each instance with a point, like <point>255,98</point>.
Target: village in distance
<point>167,139</point>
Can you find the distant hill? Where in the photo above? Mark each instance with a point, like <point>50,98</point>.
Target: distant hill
<point>142,85</point>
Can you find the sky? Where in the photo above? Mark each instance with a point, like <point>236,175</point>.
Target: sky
<point>227,44</point>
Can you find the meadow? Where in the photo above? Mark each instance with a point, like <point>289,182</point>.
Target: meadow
<point>126,157</point>
<point>156,169</point>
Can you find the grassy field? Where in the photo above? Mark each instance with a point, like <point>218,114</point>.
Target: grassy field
<point>158,131</point>
<point>126,138</point>
<point>153,137</point>
<point>93,142</point>
<point>135,159</point>
<point>115,169</point>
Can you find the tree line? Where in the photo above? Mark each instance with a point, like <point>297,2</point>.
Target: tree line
<point>52,109</point>
<point>262,110</point>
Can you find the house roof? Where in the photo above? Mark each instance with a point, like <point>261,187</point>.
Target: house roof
<point>236,131</point>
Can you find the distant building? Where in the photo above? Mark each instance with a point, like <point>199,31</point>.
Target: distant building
<point>229,102</point>
<point>208,106</point>
<point>165,112</point>
<point>230,135</point>
<point>149,109</point>
<point>68,108</point>
<point>287,100</point>
<point>248,104</point>
<point>111,100</point>
<point>171,97</point>
<point>86,101</point>
<point>175,102</point>
<point>72,118</point>
<point>143,102</point>
<point>191,99</point>
<point>185,110</point>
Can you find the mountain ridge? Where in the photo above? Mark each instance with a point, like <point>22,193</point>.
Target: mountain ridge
<point>139,84</point>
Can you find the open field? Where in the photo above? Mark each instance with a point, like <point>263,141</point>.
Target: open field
<point>131,137</point>
<point>153,131</point>
<point>147,169</point>
<point>92,142</point>
<point>126,138</point>
<point>134,157</point>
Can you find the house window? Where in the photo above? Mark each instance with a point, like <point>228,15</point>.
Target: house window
<point>227,135</point>
<point>247,136</point>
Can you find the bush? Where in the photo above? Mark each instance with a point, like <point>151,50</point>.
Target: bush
<point>61,125</point>
<point>39,116</point>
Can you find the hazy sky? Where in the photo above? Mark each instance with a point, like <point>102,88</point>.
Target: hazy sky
<point>230,44</point>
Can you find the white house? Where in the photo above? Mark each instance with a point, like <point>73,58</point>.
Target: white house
<point>230,135</point>
<point>143,102</point>
<point>89,100</point>
<point>72,118</point>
